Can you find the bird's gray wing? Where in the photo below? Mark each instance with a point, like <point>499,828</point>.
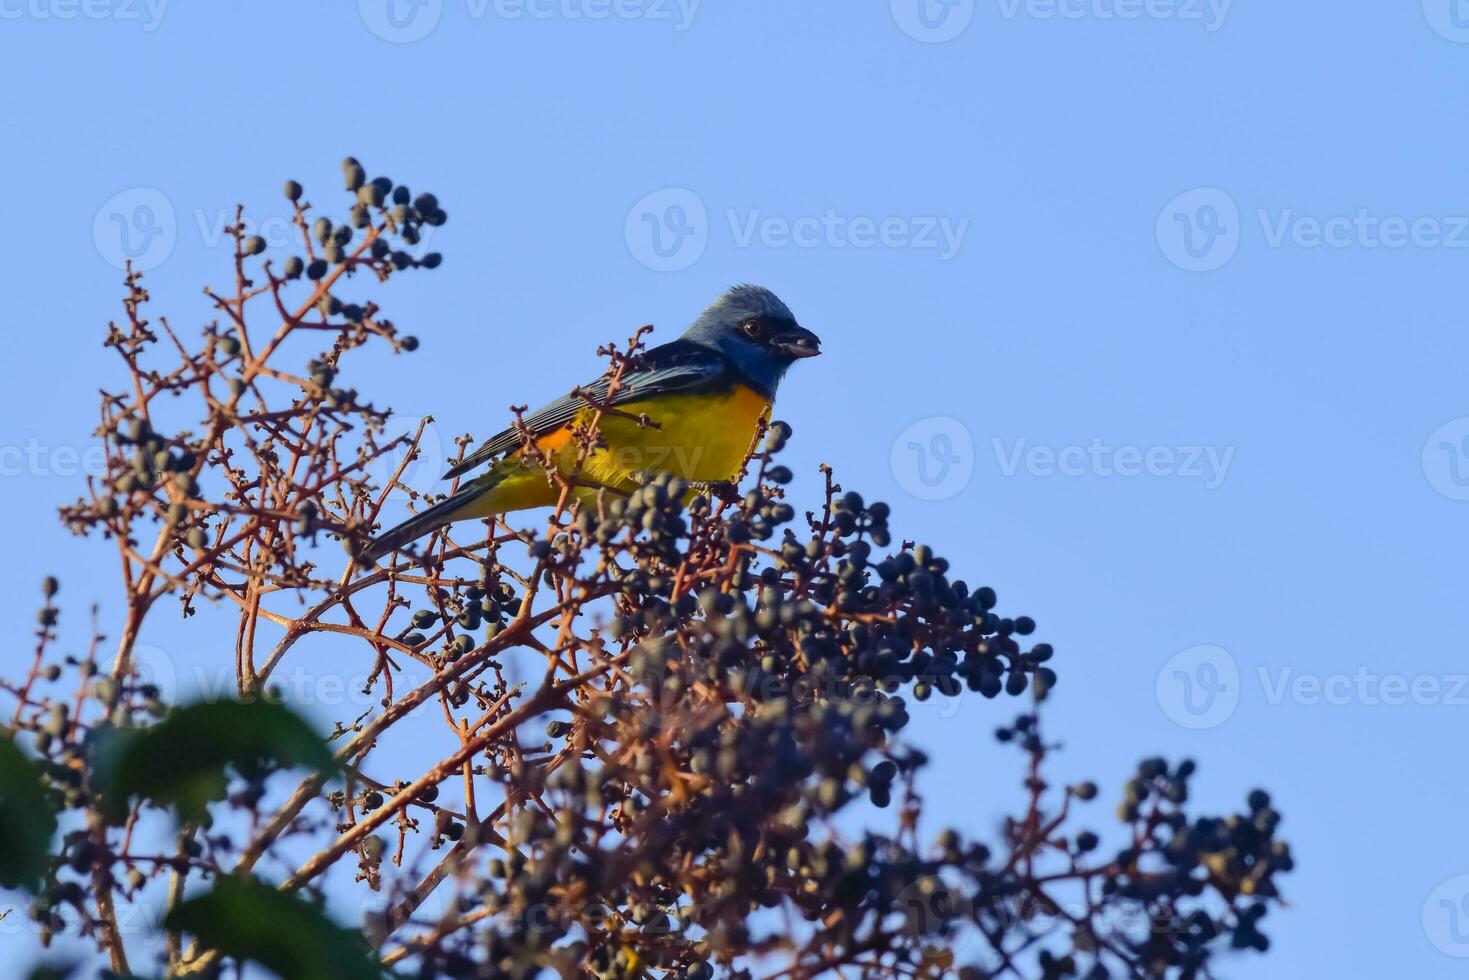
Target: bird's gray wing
<point>675,367</point>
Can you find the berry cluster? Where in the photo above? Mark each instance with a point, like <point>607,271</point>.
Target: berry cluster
<point>676,722</point>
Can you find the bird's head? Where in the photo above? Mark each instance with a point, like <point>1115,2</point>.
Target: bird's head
<point>757,332</point>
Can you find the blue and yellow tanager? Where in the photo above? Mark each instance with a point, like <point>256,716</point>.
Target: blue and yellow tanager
<point>692,407</point>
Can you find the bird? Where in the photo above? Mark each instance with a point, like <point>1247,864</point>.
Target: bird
<point>692,408</point>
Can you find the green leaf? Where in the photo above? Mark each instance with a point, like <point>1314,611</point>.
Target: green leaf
<point>181,760</point>
<point>51,971</point>
<point>27,820</point>
<point>249,920</point>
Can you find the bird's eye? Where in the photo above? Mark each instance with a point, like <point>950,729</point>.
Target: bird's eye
<point>754,329</point>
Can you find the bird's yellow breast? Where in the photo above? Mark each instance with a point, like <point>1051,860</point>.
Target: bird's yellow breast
<point>702,437</point>
<point>699,438</point>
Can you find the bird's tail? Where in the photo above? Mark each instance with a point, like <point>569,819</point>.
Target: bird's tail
<point>425,522</point>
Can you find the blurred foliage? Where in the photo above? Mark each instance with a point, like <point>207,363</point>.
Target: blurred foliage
<point>181,761</point>
<point>256,923</point>
<point>27,820</point>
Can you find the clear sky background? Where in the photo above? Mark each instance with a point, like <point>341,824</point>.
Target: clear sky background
<point>1148,313</point>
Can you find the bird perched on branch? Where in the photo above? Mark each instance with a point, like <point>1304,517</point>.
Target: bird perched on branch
<point>692,408</point>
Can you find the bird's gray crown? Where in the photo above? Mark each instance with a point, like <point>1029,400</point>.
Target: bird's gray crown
<point>746,302</point>
<point>721,327</point>
<point>725,314</point>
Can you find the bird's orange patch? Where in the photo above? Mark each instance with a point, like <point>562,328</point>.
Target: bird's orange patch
<point>554,442</point>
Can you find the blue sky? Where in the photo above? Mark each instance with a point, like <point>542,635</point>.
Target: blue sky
<point>1148,313</point>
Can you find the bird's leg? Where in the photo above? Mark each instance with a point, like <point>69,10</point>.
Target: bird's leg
<point>725,490</point>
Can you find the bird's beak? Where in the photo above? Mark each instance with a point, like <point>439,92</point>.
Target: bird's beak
<point>797,342</point>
